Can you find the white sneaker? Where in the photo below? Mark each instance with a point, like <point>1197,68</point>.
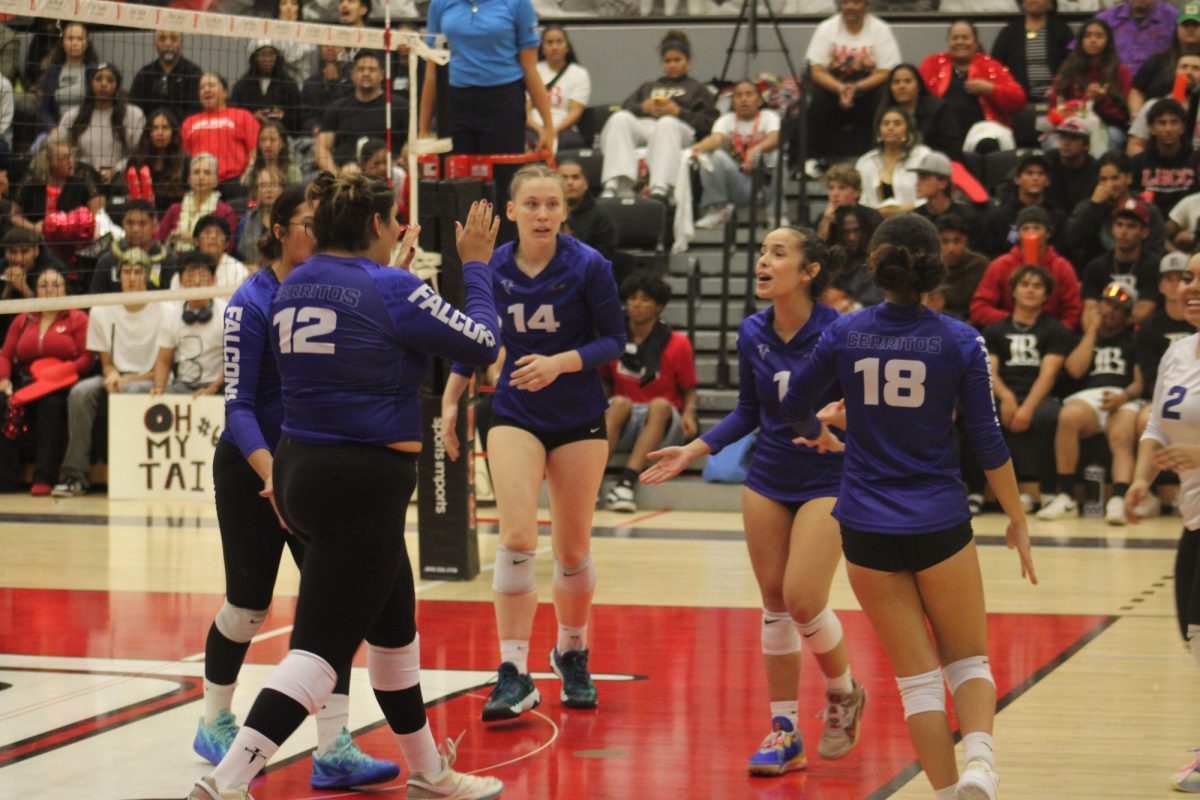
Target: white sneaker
<point>451,785</point>
<point>1150,507</point>
<point>1114,511</point>
<point>620,498</point>
<point>717,218</point>
<point>1026,502</point>
<point>1063,506</point>
<point>977,782</point>
<point>206,789</point>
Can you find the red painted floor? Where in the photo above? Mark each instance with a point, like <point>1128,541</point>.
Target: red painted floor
<point>685,729</point>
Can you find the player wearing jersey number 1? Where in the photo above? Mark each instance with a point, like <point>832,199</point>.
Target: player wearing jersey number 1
<point>906,528</point>
<point>1172,442</point>
<point>793,541</point>
<point>562,320</point>
<point>353,341</point>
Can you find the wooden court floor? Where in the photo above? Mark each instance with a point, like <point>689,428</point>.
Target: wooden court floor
<point>104,608</point>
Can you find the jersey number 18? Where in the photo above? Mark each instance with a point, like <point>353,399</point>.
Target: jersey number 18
<point>903,382</point>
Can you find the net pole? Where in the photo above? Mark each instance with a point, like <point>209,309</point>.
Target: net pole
<point>387,88</point>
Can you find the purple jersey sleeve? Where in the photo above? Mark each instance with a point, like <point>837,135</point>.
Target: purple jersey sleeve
<point>607,313</point>
<point>810,383</point>
<point>744,417</point>
<point>246,343</point>
<point>426,321</point>
<point>979,409</point>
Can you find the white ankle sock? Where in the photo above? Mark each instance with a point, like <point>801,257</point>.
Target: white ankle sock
<point>516,652</point>
<point>420,752</point>
<point>842,684</point>
<point>217,698</point>
<point>786,708</point>
<point>572,638</point>
<point>248,754</point>
<point>977,745</point>
<point>945,794</point>
<point>331,719</point>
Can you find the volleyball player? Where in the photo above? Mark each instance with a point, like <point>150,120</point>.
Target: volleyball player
<point>352,340</point>
<point>562,320</point>
<point>906,528</point>
<point>252,538</point>
<point>793,540</point>
<point>1172,442</point>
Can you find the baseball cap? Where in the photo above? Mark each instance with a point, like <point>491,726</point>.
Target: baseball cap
<point>1173,262</point>
<point>1132,207</point>
<point>1075,126</point>
<point>1034,215</point>
<point>1031,158</point>
<point>1189,13</point>
<point>1120,294</point>
<point>935,163</point>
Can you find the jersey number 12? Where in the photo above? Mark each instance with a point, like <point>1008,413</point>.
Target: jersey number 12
<point>903,382</point>
<point>298,328</point>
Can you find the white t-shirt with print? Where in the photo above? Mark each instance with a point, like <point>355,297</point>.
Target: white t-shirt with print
<point>198,347</point>
<point>742,134</point>
<point>843,53</point>
<point>574,85</point>
<point>130,337</point>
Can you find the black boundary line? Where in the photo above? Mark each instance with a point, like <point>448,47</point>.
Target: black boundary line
<point>186,684</point>
<point>1011,696</point>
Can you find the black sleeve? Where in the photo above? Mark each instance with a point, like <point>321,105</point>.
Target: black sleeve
<point>1150,346</point>
<point>604,235</point>
<point>1094,279</point>
<point>331,119</point>
<point>1059,340</point>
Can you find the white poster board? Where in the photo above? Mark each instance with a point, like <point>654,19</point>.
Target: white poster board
<point>162,447</point>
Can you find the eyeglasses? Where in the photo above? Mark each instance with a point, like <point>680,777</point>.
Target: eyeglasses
<point>307,226</point>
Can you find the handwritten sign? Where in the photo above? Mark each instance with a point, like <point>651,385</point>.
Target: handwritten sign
<point>162,447</point>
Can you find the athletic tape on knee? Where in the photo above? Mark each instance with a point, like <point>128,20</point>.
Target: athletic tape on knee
<point>578,579</point>
<point>968,669</point>
<point>779,635</point>
<point>239,624</point>
<point>514,571</point>
<point>921,693</point>
<point>823,632</point>
<point>393,669</point>
<point>305,677</point>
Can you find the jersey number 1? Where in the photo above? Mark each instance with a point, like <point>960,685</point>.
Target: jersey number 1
<point>542,319</point>
<point>298,328</point>
<point>903,382</point>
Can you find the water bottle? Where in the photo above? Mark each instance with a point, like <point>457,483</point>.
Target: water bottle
<point>1094,476</point>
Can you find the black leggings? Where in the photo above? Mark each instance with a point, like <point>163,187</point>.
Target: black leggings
<point>1187,581</point>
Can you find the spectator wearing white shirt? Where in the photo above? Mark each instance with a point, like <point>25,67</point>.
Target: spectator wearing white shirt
<point>190,342</point>
<point>738,141</point>
<point>850,55</point>
<point>889,171</point>
<point>211,235</point>
<point>568,85</point>
<point>125,339</point>
<point>1182,223</point>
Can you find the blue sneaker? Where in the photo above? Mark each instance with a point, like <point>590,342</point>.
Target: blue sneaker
<point>213,741</point>
<point>346,766</point>
<point>578,690</point>
<point>512,695</point>
<point>782,751</point>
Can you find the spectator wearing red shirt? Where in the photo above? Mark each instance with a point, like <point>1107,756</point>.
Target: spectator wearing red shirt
<point>993,300</point>
<point>230,134</point>
<point>976,86</point>
<point>653,386</point>
<point>41,335</point>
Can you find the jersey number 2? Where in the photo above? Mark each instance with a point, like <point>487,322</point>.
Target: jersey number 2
<point>903,382</point>
<point>542,319</point>
<point>298,328</point>
<point>1174,398</point>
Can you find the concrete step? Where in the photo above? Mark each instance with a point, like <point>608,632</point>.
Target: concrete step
<point>708,313</point>
<point>709,341</point>
<point>716,400</point>
<point>709,287</point>
<point>706,370</point>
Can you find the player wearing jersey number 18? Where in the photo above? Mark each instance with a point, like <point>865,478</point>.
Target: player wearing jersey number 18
<point>1172,442</point>
<point>793,541</point>
<point>562,320</point>
<point>903,370</point>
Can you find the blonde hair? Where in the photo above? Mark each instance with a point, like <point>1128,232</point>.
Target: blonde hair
<point>533,172</point>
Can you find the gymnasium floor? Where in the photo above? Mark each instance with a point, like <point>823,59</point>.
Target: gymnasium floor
<point>104,608</point>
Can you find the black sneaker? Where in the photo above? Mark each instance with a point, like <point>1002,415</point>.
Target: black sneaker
<point>578,691</point>
<point>512,695</point>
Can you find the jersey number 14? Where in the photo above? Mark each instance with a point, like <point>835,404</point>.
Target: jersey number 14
<point>541,320</point>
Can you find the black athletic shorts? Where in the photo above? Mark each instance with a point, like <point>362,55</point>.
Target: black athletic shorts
<point>889,552</point>
<point>553,439</point>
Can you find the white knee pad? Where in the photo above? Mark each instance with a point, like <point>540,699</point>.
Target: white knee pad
<point>305,677</point>
<point>921,693</point>
<point>823,632</point>
<point>239,624</point>
<point>968,669</point>
<point>393,669</point>
<point>578,579</point>
<point>514,571</point>
<point>779,635</point>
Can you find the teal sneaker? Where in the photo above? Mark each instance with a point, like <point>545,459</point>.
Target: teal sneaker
<point>782,751</point>
<point>213,741</point>
<point>512,695</point>
<point>1188,778</point>
<point>578,691</point>
<point>346,766</point>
